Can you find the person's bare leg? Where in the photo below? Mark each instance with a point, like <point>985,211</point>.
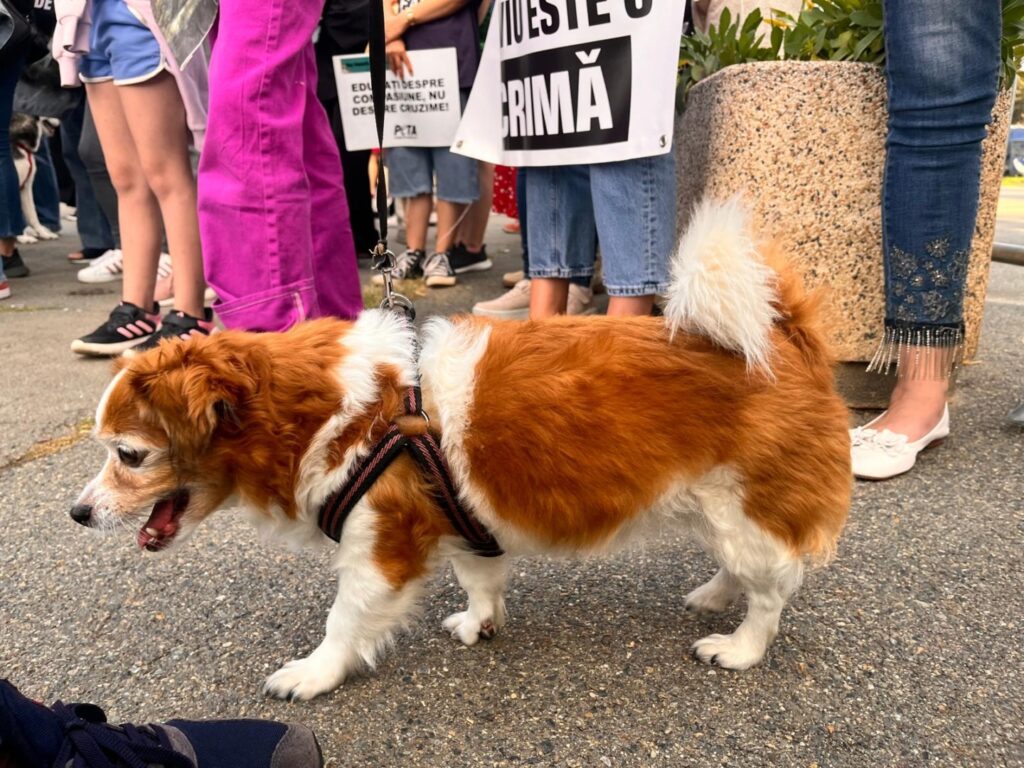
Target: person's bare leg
<point>417,219</point>
<point>548,297</point>
<point>919,397</point>
<point>448,222</point>
<point>630,306</point>
<point>474,226</point>
<point>156,119</point>
<point>138,211</point>
<point>7,245</point>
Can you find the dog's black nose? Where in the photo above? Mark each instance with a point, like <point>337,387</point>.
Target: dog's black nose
<point>81,514</point>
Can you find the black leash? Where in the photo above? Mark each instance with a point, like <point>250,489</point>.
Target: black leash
<point>423,446</point>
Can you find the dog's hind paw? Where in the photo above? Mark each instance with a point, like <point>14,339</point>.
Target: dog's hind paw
<point>713,597</point>
<point>728,651</point>
<point>304,679</point>
<point>468,629</point>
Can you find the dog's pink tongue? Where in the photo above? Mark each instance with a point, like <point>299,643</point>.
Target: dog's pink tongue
<point>161,520</point>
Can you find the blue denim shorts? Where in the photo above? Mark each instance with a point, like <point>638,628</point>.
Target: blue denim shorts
<point>628,207</point>
<point>411,171</point>
<point>121,47</point>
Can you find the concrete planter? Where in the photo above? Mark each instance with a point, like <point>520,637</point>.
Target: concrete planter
<point>804,143</point>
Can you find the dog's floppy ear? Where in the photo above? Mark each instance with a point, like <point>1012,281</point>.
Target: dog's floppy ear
<point>194,388</point>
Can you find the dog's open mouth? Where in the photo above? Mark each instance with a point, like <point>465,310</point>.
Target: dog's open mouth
<point>162,525</point>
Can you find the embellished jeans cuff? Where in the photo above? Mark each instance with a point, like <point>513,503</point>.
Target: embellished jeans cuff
<point>919,351</point>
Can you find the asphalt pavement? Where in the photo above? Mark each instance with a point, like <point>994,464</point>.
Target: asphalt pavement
<point>906,651</point>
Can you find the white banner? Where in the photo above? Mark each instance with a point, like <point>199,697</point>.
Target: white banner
<point>423,110</point>
<point>574,81</point>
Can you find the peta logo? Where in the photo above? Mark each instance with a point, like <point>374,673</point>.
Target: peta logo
<point>404,132</point>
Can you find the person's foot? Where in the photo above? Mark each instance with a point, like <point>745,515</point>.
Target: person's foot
<point>463,260</point>
<point>514,304</point>
<point>580,301</point>
<point>1016,416</point>
<point>105,269</point>
<point>437,270</point>
<point>879,454</point>
<point>87,255</point>
<point>512,227</point>
<point>408,266</point>
<point>14,266</point>
<point>511,279</point>
<point>915,407</point>
<point>176,325</point>
<point>78,734</point>
<point>127,327</point>
<point>5,287</point>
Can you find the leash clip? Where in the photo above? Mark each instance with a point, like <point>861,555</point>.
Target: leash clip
<point>383,260</point>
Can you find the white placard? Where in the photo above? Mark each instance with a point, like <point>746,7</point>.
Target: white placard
<point>574,81</point>
<point>423,110</point>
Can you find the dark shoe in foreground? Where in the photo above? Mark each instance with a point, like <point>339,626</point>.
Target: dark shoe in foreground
<point>78,736</point>
<point>463,260</point>
<point>14,266</point>
<point>176,325</point>
<point>127,326</point>
<point>1016,416</point>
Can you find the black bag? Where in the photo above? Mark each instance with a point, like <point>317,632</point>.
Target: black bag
<point>22,35</point>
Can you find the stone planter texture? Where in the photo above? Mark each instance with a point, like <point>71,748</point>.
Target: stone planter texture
<point>804,144</point>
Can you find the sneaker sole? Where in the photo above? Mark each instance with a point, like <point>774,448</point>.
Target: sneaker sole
<point>441,282</point>
<point>104,278</point>
<point>476,266</point>
<point>378,280</point>
<point>104,350</point>
<point>503,314</point>
<point>5,293</point>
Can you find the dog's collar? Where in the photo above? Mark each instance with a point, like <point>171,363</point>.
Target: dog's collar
<point>427,453</point>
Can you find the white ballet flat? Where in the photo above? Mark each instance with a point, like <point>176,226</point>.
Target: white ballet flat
<point>879,455</point>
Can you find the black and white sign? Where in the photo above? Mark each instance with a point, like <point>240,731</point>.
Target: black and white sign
<point>574,81</point>
<point>423,110</point>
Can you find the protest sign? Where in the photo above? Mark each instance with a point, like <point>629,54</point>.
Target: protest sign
<point>574,81</point>
<point>423,109</point>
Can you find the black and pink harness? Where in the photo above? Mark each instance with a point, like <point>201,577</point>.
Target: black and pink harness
<point>427,454</point>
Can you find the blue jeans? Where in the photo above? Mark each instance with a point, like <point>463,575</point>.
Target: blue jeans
<point>93,228</point>
<point>629,205</point>
<point>943,70</point>
<point>45,190</point>
<point>12,223</point>
<point>524,240</point>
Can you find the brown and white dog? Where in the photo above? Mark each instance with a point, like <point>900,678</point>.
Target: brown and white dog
<point>574,435</point>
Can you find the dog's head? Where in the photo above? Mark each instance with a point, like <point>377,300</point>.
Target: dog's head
<point>26,130</point>
<point>168,421</point>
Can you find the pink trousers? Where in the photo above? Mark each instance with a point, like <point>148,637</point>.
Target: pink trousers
<point>274,220</point>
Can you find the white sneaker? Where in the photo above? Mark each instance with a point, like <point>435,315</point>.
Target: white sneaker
<point>164,281</point>
<point>105,269</point>
<point>881,455</point>
<point>514,304</point>
<point>580,301</point>
<point>511,279</point>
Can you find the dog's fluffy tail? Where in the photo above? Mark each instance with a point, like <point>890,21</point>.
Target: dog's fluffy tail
<point>729,289</point>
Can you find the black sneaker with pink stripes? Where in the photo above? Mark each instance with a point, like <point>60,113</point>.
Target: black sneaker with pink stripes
<point>127,326</point>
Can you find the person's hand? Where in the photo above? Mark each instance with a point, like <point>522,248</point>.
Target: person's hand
<point>395,24</point>
<point>398,59</point>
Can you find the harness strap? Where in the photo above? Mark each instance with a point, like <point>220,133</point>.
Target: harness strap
<point>427,454</point>
<point>31,157</point>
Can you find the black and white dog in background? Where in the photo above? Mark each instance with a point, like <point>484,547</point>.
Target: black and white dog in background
<point>26,135</point>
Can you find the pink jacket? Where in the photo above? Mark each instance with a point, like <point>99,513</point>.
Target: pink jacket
<point>71,40</point>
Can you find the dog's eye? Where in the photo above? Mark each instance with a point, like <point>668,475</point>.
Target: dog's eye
<point>129,457</point>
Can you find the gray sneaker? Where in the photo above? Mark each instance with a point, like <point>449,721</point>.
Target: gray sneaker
<point>408,266</point>
<point>438,271</point>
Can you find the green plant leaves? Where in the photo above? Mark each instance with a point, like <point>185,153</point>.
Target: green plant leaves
<point>826,30</point>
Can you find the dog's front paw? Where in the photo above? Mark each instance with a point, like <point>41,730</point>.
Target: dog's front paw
<point>729,651</point>
<point>468,628</point>
<point>304,679</point>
